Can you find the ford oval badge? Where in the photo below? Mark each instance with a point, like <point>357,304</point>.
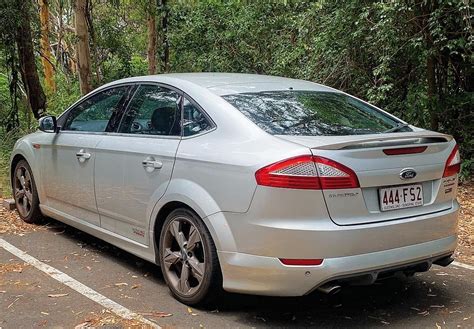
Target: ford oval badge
<point>407,173</point>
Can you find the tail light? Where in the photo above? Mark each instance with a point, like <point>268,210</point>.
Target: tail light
<point>307,172</point>
<point>453,165</point>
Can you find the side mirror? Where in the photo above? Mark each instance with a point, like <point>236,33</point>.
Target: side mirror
<point>48,124</point>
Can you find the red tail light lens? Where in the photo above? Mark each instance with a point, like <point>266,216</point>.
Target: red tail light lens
<point>453,165</point>
<point>307,172</point>
<point>297,173</point>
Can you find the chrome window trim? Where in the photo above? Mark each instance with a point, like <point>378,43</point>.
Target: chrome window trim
<point>105,133</point>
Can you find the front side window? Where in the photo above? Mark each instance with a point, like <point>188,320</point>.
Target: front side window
<point>94,113</point>
<point>153,110</point>
<point>312,113</point>
<point>194,120</point>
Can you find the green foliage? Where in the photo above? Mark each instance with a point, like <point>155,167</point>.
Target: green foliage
<point>376,50</point>
<point>7,140</point>
<point>66,94</point>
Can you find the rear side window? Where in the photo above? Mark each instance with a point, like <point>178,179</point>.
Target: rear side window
<point>153,110</point>
<point>311,113</point>
<point>194,120</point>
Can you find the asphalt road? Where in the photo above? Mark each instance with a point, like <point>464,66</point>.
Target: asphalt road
<point>440,298</point>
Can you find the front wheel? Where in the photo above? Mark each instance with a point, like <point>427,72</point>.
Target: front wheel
<point>188,258</point>
<point>25,193</point>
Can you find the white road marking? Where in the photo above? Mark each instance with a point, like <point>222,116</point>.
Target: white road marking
<point>72,283</point>
<point>469,267</point>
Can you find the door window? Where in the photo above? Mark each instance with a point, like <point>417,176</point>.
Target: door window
<point>194,120</point>
<point>153,110</point>
<point>94,113</point>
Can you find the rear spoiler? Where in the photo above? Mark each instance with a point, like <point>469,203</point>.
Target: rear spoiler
<point>413,138</point>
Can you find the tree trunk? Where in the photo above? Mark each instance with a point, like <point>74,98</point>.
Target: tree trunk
<point>45,47</point>
<point>26,57</point>
<point>82,47</point>
<point>431,79</point>
<point>151,23</point>
<point>93,43</point>
<point>165,55</point>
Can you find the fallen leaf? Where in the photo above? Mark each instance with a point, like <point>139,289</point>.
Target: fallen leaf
<point>82,325</point>
<point>156,314</point>
<point>13,303</point>
<point>57,295</point>
<point>135,286</point>
<point>45,313</point>
<point>119,284</point>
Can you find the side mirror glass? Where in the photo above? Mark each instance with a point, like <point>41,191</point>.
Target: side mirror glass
<point>48,124</point>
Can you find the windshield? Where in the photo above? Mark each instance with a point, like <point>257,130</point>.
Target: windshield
<point>312,113</point>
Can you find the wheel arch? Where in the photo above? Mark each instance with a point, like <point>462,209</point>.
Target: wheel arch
<point>194,198</point>
<point>14,161</point>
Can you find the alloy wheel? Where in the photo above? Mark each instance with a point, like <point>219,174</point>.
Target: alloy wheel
<point>23,191</point>
<point>183,256</point>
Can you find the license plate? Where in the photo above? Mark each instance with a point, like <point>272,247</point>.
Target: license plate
<point>399,197</point>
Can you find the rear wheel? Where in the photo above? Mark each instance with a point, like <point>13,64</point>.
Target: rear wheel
<point>188,258</point>
<point>25,193</point>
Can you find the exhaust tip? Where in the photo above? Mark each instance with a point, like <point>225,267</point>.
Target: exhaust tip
<point>445,261</point>
<point>329,289</point>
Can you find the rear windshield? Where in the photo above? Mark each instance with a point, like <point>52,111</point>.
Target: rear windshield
<point>312,113</point>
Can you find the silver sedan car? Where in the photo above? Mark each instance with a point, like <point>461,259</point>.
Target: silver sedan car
<point>244,183</point>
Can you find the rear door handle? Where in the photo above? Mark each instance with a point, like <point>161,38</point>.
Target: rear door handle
<point>82,155</point>
<point>151,164</point>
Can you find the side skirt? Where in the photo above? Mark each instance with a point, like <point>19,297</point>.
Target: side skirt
<point>140,250</point>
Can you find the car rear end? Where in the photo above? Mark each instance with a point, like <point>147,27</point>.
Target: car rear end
<point>352,210</point>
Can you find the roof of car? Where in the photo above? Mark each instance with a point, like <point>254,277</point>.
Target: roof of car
<point>233,83</point>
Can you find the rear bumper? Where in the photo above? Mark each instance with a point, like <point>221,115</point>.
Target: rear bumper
<point>249,248</point>
<point>262,275</point>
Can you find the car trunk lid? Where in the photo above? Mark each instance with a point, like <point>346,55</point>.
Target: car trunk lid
<point>378,164</point>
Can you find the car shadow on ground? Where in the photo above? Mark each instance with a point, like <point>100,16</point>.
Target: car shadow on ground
<point>392,301</point>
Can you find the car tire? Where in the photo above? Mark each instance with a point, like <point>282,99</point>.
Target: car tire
<point>25,193</point>
<point>181,267</point>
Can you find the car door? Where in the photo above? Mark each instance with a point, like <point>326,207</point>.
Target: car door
<point>134,165</point>
<point>68,157</point>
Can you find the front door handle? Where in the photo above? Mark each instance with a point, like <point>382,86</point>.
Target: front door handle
<point>82,155</point>
<point>151,164</point>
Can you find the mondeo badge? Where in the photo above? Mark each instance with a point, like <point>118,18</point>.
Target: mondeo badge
<point>407,173</point>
